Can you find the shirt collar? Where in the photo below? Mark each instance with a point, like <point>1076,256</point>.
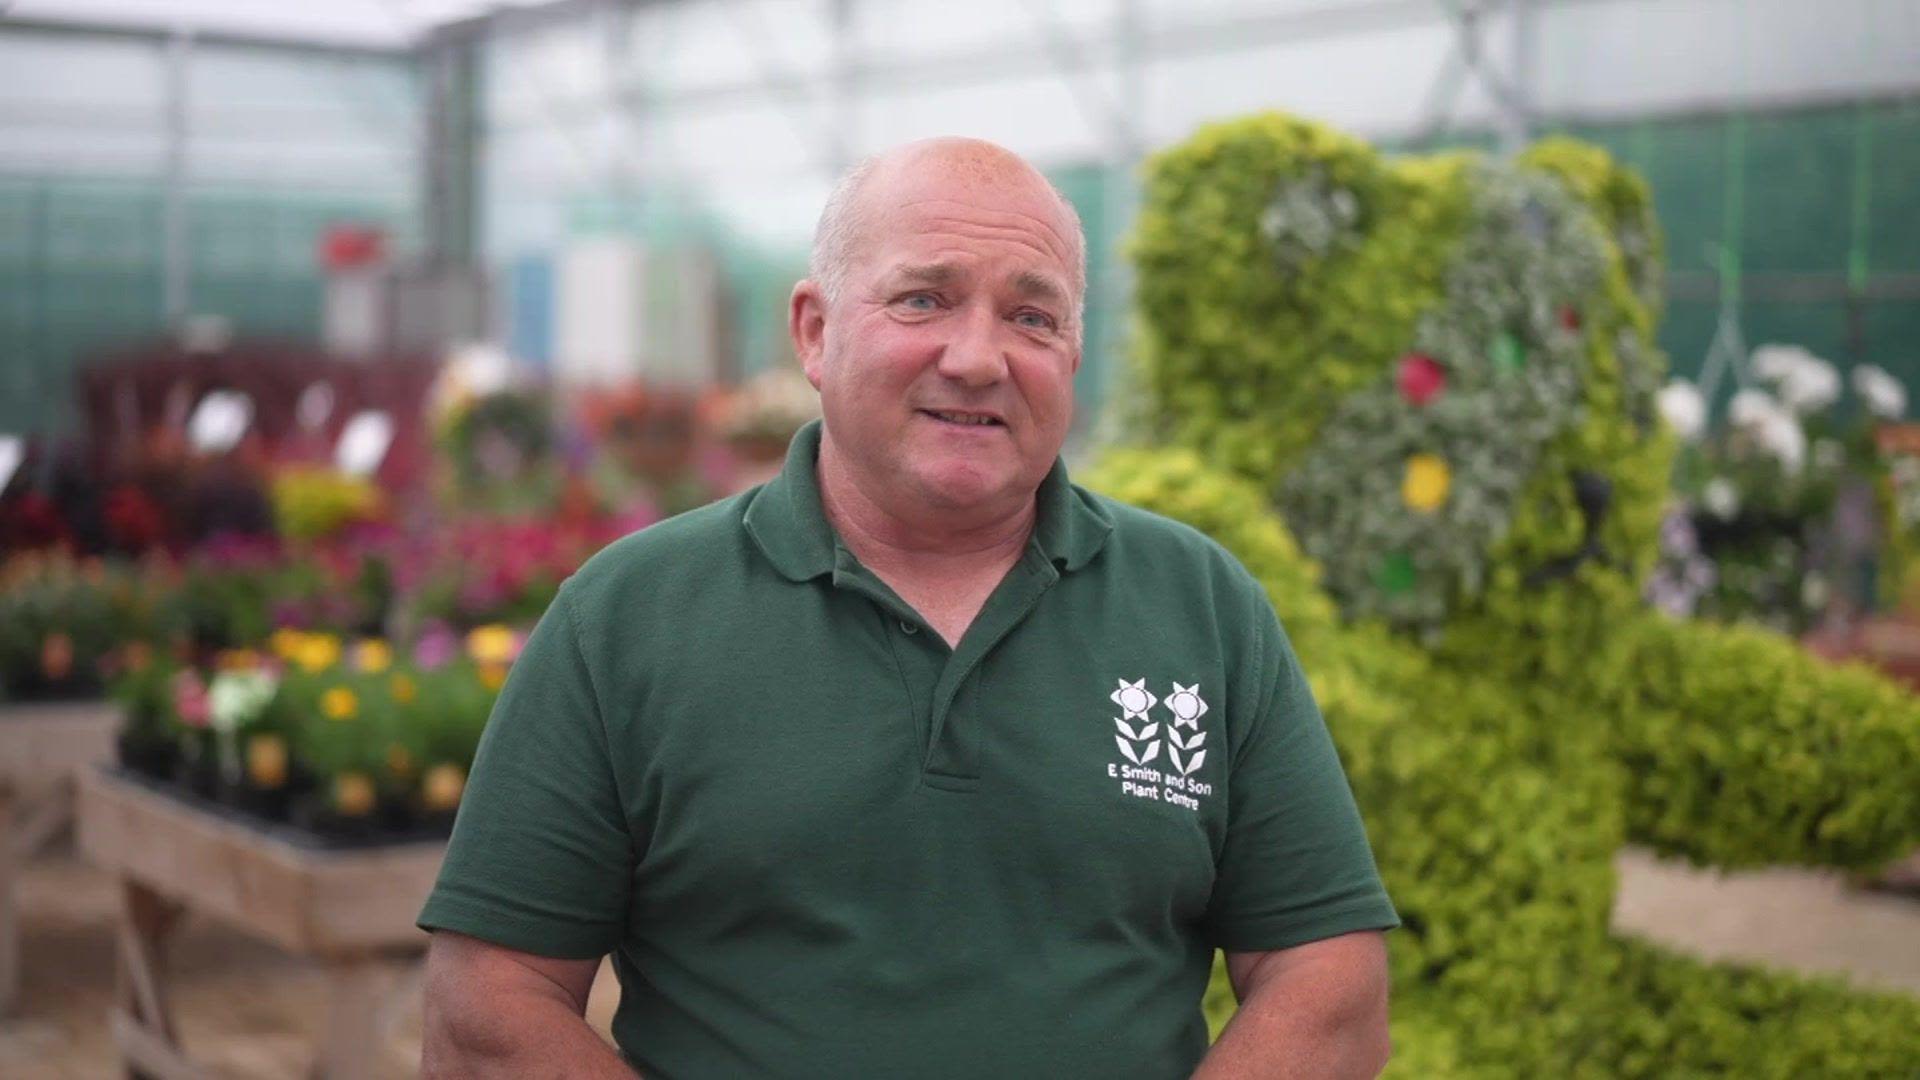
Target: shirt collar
<point>788,522</point>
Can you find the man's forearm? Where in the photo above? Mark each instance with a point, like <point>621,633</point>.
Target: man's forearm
<point>534,1036</point>
<point>1307,1022</point>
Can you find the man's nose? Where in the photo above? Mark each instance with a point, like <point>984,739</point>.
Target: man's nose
<point>975,355</point>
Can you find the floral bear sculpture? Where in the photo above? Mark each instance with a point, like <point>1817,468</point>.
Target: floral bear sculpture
<point>1417,398</point>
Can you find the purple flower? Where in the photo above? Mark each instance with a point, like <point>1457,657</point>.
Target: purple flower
<point>437,646</point>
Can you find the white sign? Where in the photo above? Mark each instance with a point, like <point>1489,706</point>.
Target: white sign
<point>13,450</point>
<point>364,442</point>
<point>219,421</point>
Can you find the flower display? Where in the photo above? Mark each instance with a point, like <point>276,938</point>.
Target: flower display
<point>1881,393</point>
<point>339,703</point>
<point>1684,410</point>
<point>1804,382</point>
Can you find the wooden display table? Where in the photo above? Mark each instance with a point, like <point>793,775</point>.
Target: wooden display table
<point>42,747</point>
<point>349,910</point>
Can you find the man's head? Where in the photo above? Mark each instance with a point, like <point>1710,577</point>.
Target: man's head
<point>942,326</point>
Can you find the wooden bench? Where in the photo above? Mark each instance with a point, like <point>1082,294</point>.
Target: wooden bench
<point>42,748</point>
<point>350,911</point>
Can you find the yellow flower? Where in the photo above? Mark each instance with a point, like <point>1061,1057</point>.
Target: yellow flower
<point>440,789</point>
<point>1426,483</point>
<point>236,659</point>
<point>353,794</point>
<point>286,642</point>
<point>491,645</point>
<point>493,676</point>
<point>372,655</point>
<point>267,760</point>
<point>402,688</point>
<point>318,652</point>
<point>399,761</point>
<point>339,703</point>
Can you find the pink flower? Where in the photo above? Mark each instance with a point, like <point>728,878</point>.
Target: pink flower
<point>190,699</point>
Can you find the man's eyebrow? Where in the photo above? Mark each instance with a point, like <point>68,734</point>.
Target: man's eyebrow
<point>1033,284</point>
<point>926,273</point>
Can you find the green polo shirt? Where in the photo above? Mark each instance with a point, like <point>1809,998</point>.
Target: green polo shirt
<point>820,843</point>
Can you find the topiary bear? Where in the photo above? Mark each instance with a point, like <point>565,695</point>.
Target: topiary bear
<point>1416,398</point>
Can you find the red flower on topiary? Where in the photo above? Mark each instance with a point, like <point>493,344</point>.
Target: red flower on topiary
<point>1570,319</point>
<point>1421,378</point>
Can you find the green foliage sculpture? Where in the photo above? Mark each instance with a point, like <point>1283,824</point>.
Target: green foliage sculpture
<point>1415,397</point>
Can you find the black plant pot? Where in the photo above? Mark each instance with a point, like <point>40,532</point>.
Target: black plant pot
<point>148,754</point>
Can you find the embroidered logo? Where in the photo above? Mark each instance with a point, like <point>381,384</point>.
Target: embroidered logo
<point>1139,735</point>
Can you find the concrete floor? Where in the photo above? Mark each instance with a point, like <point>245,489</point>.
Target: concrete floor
<point>250,1011</point>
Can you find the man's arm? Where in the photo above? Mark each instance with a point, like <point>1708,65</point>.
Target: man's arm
<point>1317,1010</point>
<point>494,1011</point>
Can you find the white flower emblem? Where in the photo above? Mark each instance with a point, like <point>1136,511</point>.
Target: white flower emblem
<point>1186,705</point>
<point>1133,698</point>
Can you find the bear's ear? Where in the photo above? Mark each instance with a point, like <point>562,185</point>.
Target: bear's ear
<point>1619,200</point>
<point>1280,266</point>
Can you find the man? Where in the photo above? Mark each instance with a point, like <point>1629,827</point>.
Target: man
<point>917,761</point>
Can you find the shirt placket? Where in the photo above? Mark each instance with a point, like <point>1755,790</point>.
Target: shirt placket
<point>952,734</point>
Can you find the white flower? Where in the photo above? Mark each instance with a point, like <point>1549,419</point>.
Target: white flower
<point>1777,363</point>
<point>1722,499</point>
<point>1783,437</point>
<point>1751,408</point>
<point>1804,382</point>
<point>1813,592</point>
<point>1883,394</point>
<point>1685,410</point>
<point>237,697</point>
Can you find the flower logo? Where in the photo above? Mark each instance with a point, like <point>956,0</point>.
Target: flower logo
<point>1133,698</point>
<point>1187,705</point>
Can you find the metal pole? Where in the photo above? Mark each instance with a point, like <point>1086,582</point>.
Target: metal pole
<point>1517,111</point>
<point>840,108</point>
<point>176,267</point>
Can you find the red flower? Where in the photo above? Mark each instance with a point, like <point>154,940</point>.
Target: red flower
<point>1421,378</point>
<point>1570,318</point>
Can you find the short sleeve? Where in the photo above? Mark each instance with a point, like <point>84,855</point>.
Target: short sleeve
<point>541,857</point>
<point>1296,866</point>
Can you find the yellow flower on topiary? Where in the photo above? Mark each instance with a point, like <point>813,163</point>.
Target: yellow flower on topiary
<point>493,676</point>
<point>1426,483</point>
<point>402,688</point>
<point>339,703</point>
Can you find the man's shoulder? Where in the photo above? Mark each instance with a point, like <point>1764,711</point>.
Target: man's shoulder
<point>1142,537</point>
<point>696,543</point>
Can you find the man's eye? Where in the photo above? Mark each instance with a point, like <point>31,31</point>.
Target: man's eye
<point>1034,320</point>
<point>919,302</point>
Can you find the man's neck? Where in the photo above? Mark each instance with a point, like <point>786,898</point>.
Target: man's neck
<point>932,549</point>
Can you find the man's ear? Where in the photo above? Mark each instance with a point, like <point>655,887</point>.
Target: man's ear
<point>807,326</point>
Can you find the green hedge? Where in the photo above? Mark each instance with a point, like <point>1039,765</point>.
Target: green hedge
<point>1506,740</point>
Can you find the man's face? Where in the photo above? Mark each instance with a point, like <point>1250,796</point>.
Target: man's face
<point>946,366</point>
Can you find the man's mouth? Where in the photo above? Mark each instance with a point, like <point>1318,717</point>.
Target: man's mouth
<point>961,416</point>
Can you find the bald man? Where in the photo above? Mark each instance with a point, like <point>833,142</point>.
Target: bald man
<point>919,760</point>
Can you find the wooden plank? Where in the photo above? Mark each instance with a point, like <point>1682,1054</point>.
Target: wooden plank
<point>311,902</point>
<point>150,1054</point>
<point>356,996</point>
<point>9,910</point>
<point>42,743</point>
<point>39,820</point>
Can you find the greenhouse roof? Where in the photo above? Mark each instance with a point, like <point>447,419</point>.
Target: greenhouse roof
<point>375,24</point>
